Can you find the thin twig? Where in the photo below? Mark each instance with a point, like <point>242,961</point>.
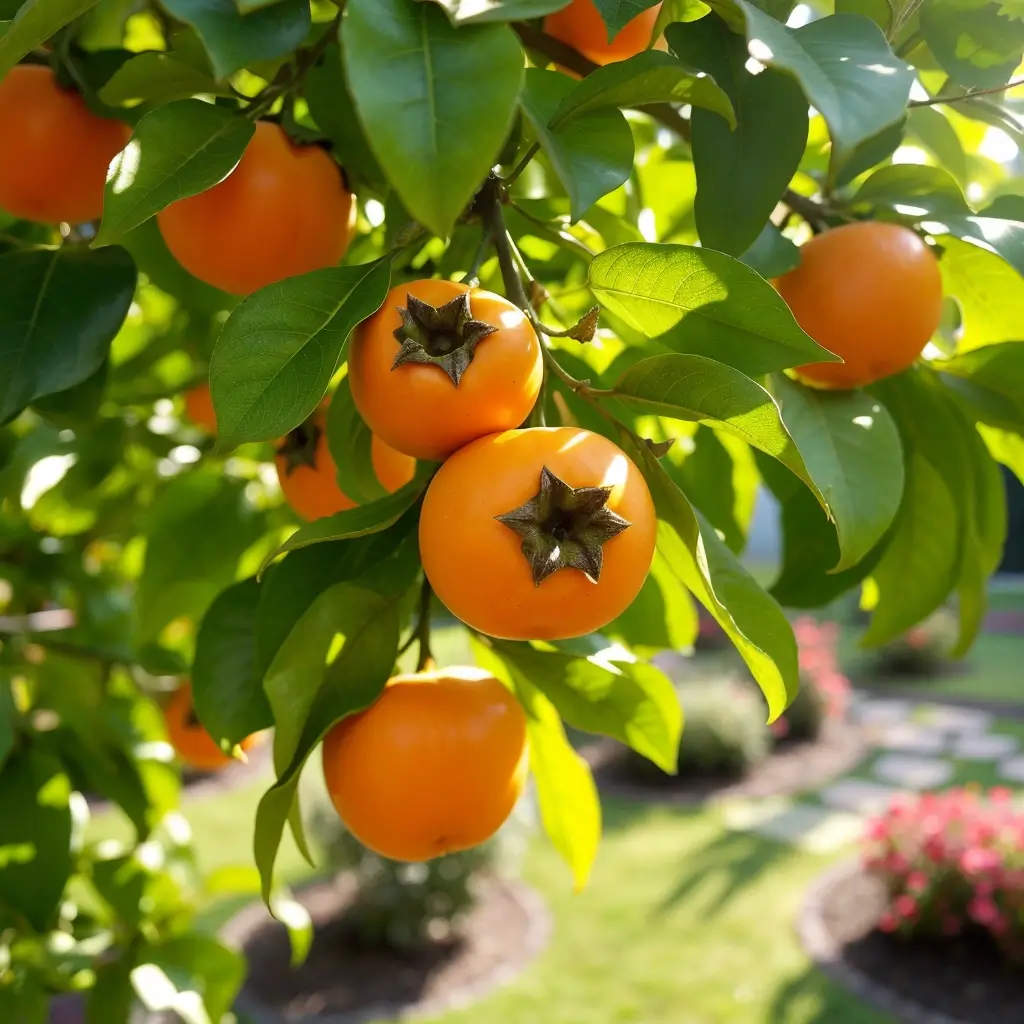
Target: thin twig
<point>936,100</point>
<point>472,276</point>
<point>523,164</point>
<point>426,658</point>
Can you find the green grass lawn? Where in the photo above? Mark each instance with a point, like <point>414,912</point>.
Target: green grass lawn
<point>684,922</point>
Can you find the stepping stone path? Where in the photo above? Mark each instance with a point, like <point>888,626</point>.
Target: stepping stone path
<point>920,744</point>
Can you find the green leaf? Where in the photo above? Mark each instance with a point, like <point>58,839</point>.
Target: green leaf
<point>234,40</point>
<point>294,583</point>
<point>648,77</point>
<point>8,720</point>
<point>1005,447</point>
<point>436,102</point>
<point>935,132</point>
<point>569,804</point>
<point>592,154</point>
<point>226,683</point>
<point>282,345</point>
<point>741,173</point>
<point>156,77</point>
<point>661,616</point>
<point>617,14</point>
<point>362,520</point>
<point>112,997</point>
<point>471,12</point>
<point>195,534</point>
<point>632,702</point>
<point>771,254</point>
<point>700,301</point>
<point>59,312</point>
<point>35,22</point>
<point>852,452</point>
<point>844,65</point>
<point>869,153</point>
<point>35,836</point>
<point>712,573</point>
<point>309,698</point>
<point>331,106</point>
<point>988,290</point>
<point>350,441</point>
<point>991,381</point>
<point>175,151</point>
<point>974,44</point>
<point>193,964</point>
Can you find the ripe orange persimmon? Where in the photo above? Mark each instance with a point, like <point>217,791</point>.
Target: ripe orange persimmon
<point>538,534</point>
<point>869,292</point>
<point>55,151</point>
<point>580,25</point>
<point>192,743</point>
<point>307,472</point>
<point>199,407</point>
<point>434,766</point>
<point>284,210</point>
<point>393,469</point>
<point>468,364</point>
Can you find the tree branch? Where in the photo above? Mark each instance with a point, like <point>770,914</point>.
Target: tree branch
<point>969,95</point>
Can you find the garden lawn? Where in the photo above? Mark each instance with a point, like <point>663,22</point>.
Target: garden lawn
<point>684,922</point>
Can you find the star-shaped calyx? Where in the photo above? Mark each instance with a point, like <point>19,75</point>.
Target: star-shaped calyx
<point>444,336</point>
<point>299,447</point>
<point>564,527</point>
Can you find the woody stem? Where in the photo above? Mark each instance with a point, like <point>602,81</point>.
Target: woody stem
<point>426,658</point>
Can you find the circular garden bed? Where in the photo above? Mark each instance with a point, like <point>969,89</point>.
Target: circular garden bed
<point>344,982</point>
<point>792,767</point>
<point>957,980</point>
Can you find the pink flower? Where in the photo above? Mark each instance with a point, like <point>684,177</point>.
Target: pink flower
<point>780,728</point>
<point>887,922</point>
<point>917,881</point>
<point>905,906</point>
<point>982,910</point>
<point>978,861</point>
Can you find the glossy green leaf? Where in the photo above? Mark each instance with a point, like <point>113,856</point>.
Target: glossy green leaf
<point>359,521</point>
<point>931,127</point>
<point>35,22</point>
<point>772,254</point>
<point>661,616</point>
<point>175,151</point>
<point>282,345</point>
<point>59,311</point>
<point>978,45</point>
<point>741,173</point>
<point>852,452</point>
<point>156,77</point>
<point>845,66</point>
<point>350,440</point>
<point>703,302</point>
<point>991,380</point>
<point>592,154</point>
<point>234,40</point>
<point>868,153</point>
<point>471,12</point>
<point>712,573</point>
<point>632,702</point>
<point>436,101</point>
<point>206,516</point>
<point>35,836</point>
<point>648,77</point>
<point>227,686</point>
<point>309,697</point>
<point>569,805</point>
<point>616,14</point>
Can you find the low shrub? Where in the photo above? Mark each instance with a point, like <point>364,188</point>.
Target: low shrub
<point>406,906</point>
<point>724,731</point>
<point>824,690</point>
<point>951,862</point>
<point>922,650</point>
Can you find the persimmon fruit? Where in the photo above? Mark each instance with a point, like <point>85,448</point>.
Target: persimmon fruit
<point>538,534</point>
<point>871,293</point>
<point>284,210</point>
<point>434,766</point>
<point>581,26</point>
<point>192,743</point>
<point>56,151</point>
<point>199,407</point>
<point>307,471</point>
<point>393,469</point>
<point>439,365</point>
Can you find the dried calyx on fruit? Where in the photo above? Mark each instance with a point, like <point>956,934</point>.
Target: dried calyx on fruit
<point>299,446</point>
<point>564,527</point>
<point>443,336</point>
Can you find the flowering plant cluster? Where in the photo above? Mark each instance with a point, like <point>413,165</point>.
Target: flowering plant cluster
<point>951,861</point>
<point>824,690</point>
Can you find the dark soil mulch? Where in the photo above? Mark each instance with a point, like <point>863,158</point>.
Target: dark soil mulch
<point>344,980</point>
<point>792,767</point>
<point>963,978</point>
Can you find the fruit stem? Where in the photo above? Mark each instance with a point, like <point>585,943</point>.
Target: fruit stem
<point>523,164</point>
<point>472,278</point>
<point>426,658</point>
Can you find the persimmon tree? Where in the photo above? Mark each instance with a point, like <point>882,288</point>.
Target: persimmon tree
<point>742,244</point>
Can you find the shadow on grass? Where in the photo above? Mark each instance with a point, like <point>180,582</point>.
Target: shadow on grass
<point>811,998</point>
<point>721,870</point>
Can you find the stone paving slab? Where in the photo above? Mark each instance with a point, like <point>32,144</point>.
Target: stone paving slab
<point>913,772</point>
<point>1012,769</point>
<point>907,736</point>
<point>954,719</point>
<point>875,711</point>
<point>814,829</point>
<point>985,747</point>
<point>859,796</point>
